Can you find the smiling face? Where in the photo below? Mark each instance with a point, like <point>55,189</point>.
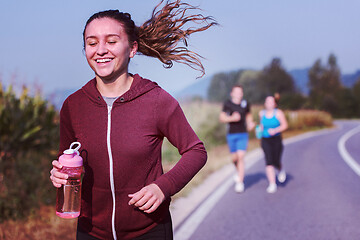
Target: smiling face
<point>107,48</point>
<point>270,103</point>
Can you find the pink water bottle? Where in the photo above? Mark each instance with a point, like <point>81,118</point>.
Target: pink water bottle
<point>68,196</point>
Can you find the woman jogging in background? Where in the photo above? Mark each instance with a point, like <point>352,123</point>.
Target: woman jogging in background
<point>236,112</point>
<point>273,123</point>
<point>121,119</point>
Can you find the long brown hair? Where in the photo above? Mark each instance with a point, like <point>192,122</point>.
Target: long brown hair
<point>160,36</point>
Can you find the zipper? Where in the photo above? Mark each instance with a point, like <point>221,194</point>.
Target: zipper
<point>112,186</point>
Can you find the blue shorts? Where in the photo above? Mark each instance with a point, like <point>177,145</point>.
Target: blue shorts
<point>237,141</point>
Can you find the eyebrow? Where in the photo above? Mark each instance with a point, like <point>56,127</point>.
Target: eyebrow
<point>109,35</point>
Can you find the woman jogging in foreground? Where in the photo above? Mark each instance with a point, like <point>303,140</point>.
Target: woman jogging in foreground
<point>273,123</point>
<point>121,119</point>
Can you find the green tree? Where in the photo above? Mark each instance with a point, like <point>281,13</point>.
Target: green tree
<point>356,94</point>
<point>249,80</point>
<point>257,85</point>
<point>28,137</point>
<point>274,78</point>
<point>346,103</point>
<point>315,84</point>
<point>221,84</point>
<point>325,84</point>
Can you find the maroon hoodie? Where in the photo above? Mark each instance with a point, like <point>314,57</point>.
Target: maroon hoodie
<point>121,147</point>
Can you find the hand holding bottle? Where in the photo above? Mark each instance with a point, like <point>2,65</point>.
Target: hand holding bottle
<point>56,176</point>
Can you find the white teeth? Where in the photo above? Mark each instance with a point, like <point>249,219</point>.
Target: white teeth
<point>103,60</point>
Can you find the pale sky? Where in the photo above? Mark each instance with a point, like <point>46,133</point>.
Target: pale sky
<point>41,40</point>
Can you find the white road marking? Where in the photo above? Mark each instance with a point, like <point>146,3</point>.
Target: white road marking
<point>345,154</point>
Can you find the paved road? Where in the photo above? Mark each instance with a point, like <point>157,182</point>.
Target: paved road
<point>319,200</point>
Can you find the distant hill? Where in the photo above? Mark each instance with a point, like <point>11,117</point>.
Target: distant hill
<point>199,89</point>
<point>350,79</point>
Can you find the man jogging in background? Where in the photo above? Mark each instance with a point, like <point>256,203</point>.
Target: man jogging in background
<point>236,112</point>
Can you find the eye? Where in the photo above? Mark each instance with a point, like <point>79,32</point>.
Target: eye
<point>111,40</point>
<point>91,42</point>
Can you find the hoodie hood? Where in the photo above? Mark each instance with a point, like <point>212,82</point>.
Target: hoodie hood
<point>138,87</point>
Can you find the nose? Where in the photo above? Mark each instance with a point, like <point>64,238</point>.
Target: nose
<point>102,49</point>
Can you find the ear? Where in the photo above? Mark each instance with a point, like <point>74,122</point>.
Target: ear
<point>133,49</point>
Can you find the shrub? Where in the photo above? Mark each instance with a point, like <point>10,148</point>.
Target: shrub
<point>305,119</point>
<point>204,119</point>
<point>28,135</point>
<point>300,119</point>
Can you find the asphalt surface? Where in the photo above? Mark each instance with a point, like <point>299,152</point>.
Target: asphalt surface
<point>319,200</point>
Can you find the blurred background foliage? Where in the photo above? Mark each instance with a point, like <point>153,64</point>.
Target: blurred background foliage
<point>326,90</point>
<point>28,139</point>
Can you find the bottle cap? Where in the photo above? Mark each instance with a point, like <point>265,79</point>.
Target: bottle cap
<point>71,157</point>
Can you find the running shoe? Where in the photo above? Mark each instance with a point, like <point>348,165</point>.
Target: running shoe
<point>282,176</point>
<point>271,188</point>
<point>239,187</point>
<point>236,178</point>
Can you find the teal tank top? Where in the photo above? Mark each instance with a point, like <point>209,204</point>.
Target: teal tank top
<point>267,123</point>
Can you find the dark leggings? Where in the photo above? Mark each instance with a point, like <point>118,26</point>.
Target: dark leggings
<point>162,231</point>
<point>273,148</point>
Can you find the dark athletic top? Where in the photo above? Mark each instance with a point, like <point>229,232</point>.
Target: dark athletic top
<point>243,108</point>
